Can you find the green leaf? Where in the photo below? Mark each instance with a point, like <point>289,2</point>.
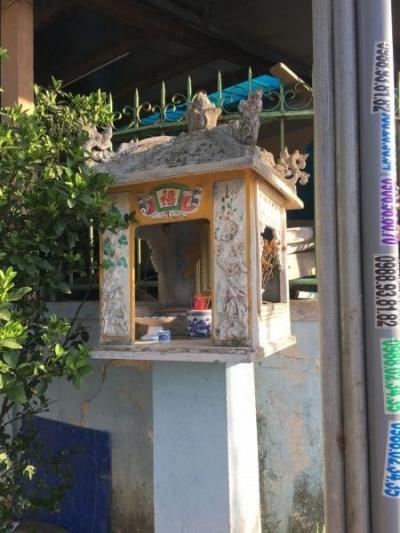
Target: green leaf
<point>11,358</point>
<point>40,388</point>
<point>16,393</point>
<point>10,343</point>
<point>43,248</point>
<point>5,314</point>
<point>25,369</point>
<point>63,287</point>
<point>29,471</point>
<point>5,460</point>
<point>59,350</point>
<point>59,227</point>
<point>18,294</point>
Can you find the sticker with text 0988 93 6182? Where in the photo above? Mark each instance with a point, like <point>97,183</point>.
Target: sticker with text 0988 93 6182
<point>386,290</point>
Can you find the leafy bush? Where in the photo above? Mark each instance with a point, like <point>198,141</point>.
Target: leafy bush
<point>49,198</point>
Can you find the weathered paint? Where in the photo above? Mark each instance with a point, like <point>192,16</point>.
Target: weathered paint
<point>288,412</point>
<point>118,398</point>
<point>115,278</point>
<point>236,302</point>
<point>231,287</point>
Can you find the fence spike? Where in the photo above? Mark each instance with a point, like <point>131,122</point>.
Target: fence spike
<point>163,101</point>
<point>163,94</point>
<point>189,89</point>
<point>136,105</point>
<point>219,89</point>
<point>250,80</point>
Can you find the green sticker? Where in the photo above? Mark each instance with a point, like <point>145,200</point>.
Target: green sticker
<point>390,352</point>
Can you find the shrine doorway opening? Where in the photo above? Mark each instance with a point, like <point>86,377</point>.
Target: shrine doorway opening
<point>172,267</point>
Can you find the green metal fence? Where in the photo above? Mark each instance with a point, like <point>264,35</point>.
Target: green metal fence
<point>167,116</point>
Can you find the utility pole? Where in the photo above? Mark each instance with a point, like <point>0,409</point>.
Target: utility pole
<point>380,259</point>
<point>357,262</point>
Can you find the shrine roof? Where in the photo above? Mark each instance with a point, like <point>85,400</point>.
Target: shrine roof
<point>211,150</point>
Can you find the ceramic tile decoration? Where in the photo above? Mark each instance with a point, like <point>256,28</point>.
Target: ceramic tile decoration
<point>115,299</point>
<point>231,316</point>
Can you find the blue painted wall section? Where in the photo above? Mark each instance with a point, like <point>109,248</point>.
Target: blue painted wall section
<point>86,508</point>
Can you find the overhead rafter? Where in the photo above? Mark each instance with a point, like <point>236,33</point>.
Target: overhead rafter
<point>100,56</point>
<point>153,76</point>
<point>208,21</point>
<point>144,16</point>
<point>46,13</point>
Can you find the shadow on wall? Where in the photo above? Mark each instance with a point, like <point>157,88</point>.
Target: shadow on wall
<point>90,497</point>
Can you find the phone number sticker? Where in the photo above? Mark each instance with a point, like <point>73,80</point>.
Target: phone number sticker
<point>391,480</point>
<point>386,289</point>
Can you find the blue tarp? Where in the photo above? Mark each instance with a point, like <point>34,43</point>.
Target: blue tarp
<point>86,507</point>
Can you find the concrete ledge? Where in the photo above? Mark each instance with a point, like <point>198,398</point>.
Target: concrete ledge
<point>304,310</point>
<point>301,265</point>
<point>196,350</point>
<point>192,351</point>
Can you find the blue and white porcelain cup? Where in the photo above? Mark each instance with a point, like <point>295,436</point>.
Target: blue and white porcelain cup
<point>198,323</point>
<point>164,336</point>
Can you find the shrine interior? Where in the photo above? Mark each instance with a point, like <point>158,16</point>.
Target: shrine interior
<point>172,264</point>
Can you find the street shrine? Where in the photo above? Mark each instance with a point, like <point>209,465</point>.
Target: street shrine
<point>197,285</point>
<point>206,253</point>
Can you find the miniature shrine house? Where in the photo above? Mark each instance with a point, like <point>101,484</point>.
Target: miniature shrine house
<point>210,207</point>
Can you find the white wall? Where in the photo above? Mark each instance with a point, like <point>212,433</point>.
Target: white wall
<point>117,397</point>
<point>289,435</point>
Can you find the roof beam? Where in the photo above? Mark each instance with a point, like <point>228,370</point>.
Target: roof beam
<point>100,56</point>
<point>202,20</point>
<point>44,14</point>
<point>156,75</point>
<point>143,16</point>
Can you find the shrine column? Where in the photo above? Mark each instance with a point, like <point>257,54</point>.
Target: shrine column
<point>17,38</point>
<point>205,448</point>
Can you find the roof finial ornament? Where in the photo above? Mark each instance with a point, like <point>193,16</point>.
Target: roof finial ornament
<point>98,145</point>
<point>246,129</point>
<point>291,167</point>
<point>201,113</point>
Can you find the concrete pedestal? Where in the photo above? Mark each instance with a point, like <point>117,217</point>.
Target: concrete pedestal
<point>205,448</point>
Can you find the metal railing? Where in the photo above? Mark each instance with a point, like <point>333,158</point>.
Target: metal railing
<point>143,119</point>
<point>280,103</point>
